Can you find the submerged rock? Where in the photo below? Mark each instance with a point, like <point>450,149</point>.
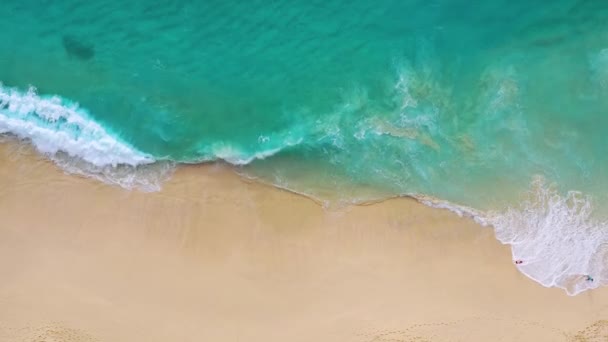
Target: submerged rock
<point>77,48</point>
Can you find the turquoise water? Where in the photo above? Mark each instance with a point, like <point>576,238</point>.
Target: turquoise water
<point>472,103</point>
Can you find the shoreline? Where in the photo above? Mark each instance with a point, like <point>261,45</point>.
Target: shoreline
<point>216,257</point>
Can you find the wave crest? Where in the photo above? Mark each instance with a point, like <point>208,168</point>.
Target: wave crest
<point>54,124</point>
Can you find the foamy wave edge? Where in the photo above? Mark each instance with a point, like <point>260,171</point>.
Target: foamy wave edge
<point>67,134</point>
<point>54,124</point>
<point>237,157</point>
<point>554,238</point>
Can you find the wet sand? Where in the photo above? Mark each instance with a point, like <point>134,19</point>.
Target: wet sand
<point>213,257</point>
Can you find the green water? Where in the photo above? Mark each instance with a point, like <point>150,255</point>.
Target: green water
<point>461,100</point>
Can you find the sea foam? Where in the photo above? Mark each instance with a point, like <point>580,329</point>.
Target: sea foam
<point>557,238</point>
<point>54,124</point>
<point>69,136</point>
<point>238,156</point>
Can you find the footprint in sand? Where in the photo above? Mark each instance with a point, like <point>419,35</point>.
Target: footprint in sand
<point>52,332</point>
<point>596,332</point>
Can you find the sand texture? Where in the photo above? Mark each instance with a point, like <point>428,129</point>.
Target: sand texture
<point>213,257</point>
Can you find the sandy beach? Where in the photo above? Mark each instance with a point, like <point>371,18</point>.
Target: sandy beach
<point>214,257</point>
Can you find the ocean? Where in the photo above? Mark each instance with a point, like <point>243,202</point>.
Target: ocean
<point>495,110</point>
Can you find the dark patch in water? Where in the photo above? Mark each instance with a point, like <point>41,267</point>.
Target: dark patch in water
<point>548,41</point>
<point>77,48</point>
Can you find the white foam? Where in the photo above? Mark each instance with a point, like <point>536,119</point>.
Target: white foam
<point>268,146</point>
<point>404,80</point>
<point>69,136</point>
<point>143,177</point>
<point>54,124</point>
<point>460,210</point>
<point>555,236</point>
<point>558,240</point>
<point>237,157</point>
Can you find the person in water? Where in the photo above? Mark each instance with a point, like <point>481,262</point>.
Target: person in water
<point>518,262</point>
<point>588,278</point>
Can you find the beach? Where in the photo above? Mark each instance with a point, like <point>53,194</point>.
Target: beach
<point>216,257</point>
<point>303,171</point>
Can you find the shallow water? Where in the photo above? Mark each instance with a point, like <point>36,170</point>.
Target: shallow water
<point>461,101</point>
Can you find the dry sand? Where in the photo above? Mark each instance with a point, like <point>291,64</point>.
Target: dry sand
<point>213,257</point>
